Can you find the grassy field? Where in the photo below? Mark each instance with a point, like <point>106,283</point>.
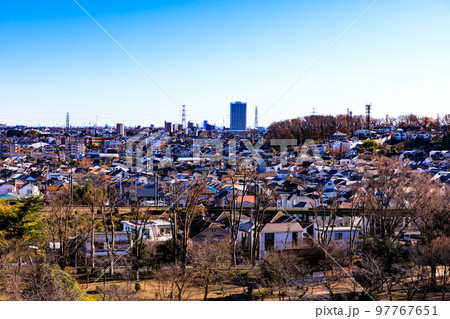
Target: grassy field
<point>150,292</point>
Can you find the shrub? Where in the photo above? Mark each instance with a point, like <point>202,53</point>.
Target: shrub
<point>99,289</point>
<point>137,286</point>
<point>51,283</point>
<point>370,145</point>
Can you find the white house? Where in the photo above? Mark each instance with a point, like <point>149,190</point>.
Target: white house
<point>29,190</point>
<point>56,176</point>
<point>280,235</point>
<point>340,235</point>
<point>122,243</point>
<point>153,230</point>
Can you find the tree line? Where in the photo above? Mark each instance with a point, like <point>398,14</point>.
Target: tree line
<point>318,127</point>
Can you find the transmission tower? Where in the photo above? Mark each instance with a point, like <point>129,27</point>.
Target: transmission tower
<point>368,109</point>
<point>350,120</point>
<point>67,122</point>
<point>183,117</point>
<point>256,117</point>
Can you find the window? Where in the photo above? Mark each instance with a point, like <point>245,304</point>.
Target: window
<point>269,241</point>
<point>217,239</point>
<point>201,239</point>
<point>99,246</point>
<point>213,230</point>
<point>338,236</point>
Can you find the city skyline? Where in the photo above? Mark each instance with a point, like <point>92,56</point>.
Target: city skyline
<point>55,59</point>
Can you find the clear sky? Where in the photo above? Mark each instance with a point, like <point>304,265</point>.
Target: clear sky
<point>54,59</point>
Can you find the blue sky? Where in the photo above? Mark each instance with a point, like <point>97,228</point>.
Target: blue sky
<point>54,59</point>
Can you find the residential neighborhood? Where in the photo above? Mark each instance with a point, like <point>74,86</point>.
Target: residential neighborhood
<point>131,203</point>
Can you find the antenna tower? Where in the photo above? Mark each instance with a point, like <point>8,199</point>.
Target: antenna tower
<point>368,109</point>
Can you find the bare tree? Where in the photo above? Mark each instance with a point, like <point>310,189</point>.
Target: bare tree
<point>175,192</point>
<point>191,210</point>
<point>417,277</point>
<point>333,276</point>
<point>173,283</point>
<point>385,201</point>
<point>58,224</point>
<point>431,209</point>
<point>369,274</point>
<point>234,201</point>
<point>211,262</point>
<point>264,199</point>
<point>185,206</point>
<point>284,272</point>
<point>325,213</point>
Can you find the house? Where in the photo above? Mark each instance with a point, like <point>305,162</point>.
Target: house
<point>329,186</point>
<point>282,232</point>
<point>29,189</point>
<point>341,146</point>
<point>246,201</point>
<point>204,229</point>
<point>8,149</point>
<point>10,198</point>
<point>364,134</point>
<point>340,235</point>
<point>8,187</point>
<point>384,129</point>
<point>338,136</point>
<point>153,230</point>
<point>283,173</point>
<point>399,135</point>
<point>55,176</point>
<point>56,190</point>
<point>245,229</point>
<point>122,243</point>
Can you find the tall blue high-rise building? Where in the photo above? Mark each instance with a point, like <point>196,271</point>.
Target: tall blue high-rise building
<point>238,116</point>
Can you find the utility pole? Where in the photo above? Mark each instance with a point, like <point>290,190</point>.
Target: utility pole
<point>46,179</point>
<point>71,186</point>
<point>67,142</point>
<point>256,117</point>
